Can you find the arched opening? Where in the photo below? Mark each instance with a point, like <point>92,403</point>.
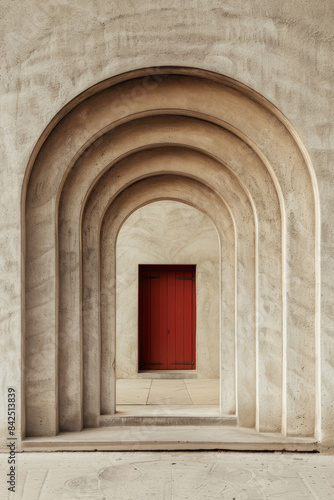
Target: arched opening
<point>172,187</point>
<point>167,233</point>
<point>210,139</point>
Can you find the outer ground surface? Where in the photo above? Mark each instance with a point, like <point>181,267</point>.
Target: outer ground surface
<point>174,475</point>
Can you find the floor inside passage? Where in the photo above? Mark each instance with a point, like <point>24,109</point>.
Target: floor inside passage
<point>168,397</point>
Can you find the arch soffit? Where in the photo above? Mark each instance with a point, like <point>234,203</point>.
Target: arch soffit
<point>158,73</point>
<point>242,92</point>
<point>100,193</point>
<point>119,209</point>
<point>103,141</point>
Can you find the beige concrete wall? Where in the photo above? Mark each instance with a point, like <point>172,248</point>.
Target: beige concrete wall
<point>168,232</point>
<point>52,51</point>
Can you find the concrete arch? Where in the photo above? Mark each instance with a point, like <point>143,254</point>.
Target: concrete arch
<point>171,187</point>
<point>137,135</point>
<point>243,217</point>
<point>285,168</point>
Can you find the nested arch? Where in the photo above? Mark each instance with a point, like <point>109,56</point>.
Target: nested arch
<point>152,189</point>
<point>179,170</point>
<point>245,135</point>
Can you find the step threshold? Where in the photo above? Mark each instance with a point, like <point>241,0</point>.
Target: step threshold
<point>178,437</point>
<point>167,415</point>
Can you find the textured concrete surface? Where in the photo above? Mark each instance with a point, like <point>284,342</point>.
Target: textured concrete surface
<point>171,476</point>
<point>53,51</point>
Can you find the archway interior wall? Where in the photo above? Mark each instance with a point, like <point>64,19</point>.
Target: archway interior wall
<point>285,281</point>
<point>168,232</point>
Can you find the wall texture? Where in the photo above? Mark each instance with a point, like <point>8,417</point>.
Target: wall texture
<point>168,232</point>
<point>53,51</point>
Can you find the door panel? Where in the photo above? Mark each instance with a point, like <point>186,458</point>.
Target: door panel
<point>167,313</point>
<point>153,286</point>
<point>184,319</point>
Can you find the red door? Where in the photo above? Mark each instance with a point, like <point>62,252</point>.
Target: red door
<point>167,316</point>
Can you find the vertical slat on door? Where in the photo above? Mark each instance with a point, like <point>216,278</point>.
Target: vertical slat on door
<point>145,318</point>
<point>162,312</point>
<point>171,301</point>
<point>188,327</point>
<point>155,318</point>
<point>179,324</point>
<point>184,331</point>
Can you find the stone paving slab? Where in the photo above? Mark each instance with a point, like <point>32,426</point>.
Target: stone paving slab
<point>170,476</point>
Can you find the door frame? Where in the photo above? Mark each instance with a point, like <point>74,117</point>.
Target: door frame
<point>168,267</point>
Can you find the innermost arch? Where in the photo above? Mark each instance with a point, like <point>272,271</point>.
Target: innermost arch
<point>168,232</point>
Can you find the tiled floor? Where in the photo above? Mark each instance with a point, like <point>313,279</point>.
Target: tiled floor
<point>170,476</point>
<point>167,392</point>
